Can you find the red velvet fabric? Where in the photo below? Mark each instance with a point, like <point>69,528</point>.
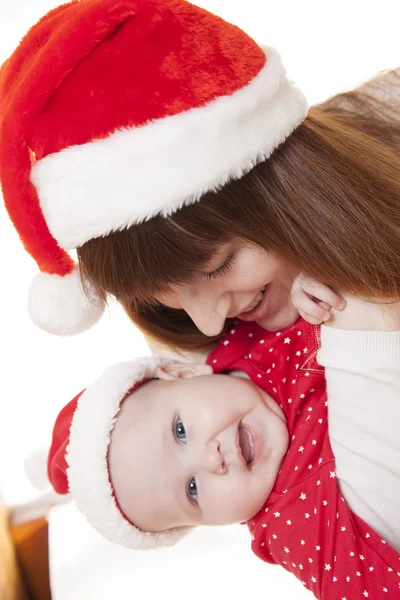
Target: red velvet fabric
<point>92,66</point>
<point>56,464</point>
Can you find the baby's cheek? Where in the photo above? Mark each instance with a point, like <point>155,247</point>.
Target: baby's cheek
<point>247,498</point>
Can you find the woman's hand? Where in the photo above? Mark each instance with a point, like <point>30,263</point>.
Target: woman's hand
<point>314,300</point>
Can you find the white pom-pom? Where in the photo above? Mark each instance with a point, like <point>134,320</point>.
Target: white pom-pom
<point>36,469</point>
<point>59,305</point>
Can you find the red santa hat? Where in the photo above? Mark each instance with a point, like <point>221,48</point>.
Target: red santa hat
<point>114,111</point>
<point>78,457</point>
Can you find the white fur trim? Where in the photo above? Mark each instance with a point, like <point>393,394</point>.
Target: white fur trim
<point>60,305</point>
<point>105,185</point>
<point>87,453</point>
<point>36,468</point>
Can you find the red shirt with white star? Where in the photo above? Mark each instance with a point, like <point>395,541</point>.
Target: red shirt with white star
<point>305,524</point>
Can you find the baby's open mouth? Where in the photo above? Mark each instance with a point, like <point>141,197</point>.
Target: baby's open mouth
<point>246,443</point>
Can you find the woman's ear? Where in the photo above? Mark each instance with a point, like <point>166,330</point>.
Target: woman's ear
<point>176,371</point>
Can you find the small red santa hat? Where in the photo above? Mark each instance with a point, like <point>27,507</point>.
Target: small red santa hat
<point>78,458</point>
<point>114,111</point>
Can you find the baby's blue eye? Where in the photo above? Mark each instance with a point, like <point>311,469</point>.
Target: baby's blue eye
<point>192,490</point>
<point>180,431</point>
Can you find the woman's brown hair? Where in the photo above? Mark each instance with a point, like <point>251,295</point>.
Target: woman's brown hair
<point>326,202</point>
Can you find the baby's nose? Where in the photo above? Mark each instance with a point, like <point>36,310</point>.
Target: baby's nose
<point>213,458</point>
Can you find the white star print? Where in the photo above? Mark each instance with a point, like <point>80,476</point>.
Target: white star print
<point>362,557</point>
<point>327,567</point>
<point>303,496</point>
<point>274,536</point>
<point>334,579</point>
<point>277,514</point>
<point>307,515</point>
<point>226,342</point>
<point>301,567</point>
<point>286,550</point>
<point>383,541</point>
<point>332,474</point>
<point>299,333</point>
<point>262,341</point>
<point>325,503</point>
<point>289,522</point>
<point>287,340</point>
<point>284,380</point>
<point>358,573</point>
<point>371,568</point>
<point>307,374</point>
<point>347,579</point>
<point>320,461</point>
<point>302,542</point>
<point>309,467</point>
<point>390,569</point>
<point>310,560</point>
<point>367,535</point>
<point>298,353</point>
<point>343,529</point>
<point>320,421</point>
<point>313,579</point>
<point>318,548</point>
<point>365,593</point>
<point>314,442</point>
<point>290,401</point>
<point>309,409</point>
<point>384,590</point>
<point>250,335</point>
<point>301,449</point>
<point>318,482</point>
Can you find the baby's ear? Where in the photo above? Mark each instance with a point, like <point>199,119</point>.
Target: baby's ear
<point>182,371</point>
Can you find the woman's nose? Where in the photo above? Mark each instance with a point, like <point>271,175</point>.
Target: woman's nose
<point>207,311</point>
<point>213,458</point>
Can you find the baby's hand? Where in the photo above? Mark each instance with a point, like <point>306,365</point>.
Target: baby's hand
<point>314,300</point>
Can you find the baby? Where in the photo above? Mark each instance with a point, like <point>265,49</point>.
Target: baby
<point>156,448</point>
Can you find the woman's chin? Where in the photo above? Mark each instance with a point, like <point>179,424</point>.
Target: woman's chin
<point>280,319</point>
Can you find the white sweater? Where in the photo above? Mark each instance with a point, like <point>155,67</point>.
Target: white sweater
<point>363,383</point>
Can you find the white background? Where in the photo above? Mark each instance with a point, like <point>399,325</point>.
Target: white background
<point>326,47</point>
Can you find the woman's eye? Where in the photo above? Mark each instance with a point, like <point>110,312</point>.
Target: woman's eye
<point>180,432</point>
<point>192,490</point>
<point>222,269</point>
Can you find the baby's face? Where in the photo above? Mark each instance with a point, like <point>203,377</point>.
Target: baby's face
<point>197,450</point>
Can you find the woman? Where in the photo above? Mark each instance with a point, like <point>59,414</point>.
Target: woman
<point>202,188</point>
